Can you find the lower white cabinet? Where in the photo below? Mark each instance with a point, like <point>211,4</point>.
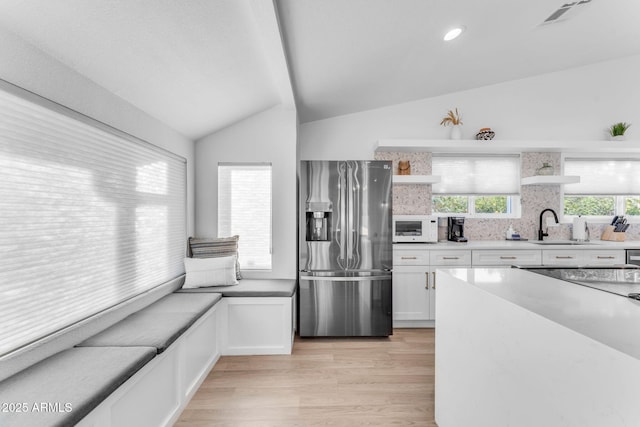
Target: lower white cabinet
<point>411,288</point>
<point>415,278</point>
<point>499,258</point>
<point>415,282</point>
<point>583,257</point>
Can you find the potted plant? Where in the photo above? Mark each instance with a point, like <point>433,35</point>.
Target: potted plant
<point>455,120</point>
<point>617,131</point>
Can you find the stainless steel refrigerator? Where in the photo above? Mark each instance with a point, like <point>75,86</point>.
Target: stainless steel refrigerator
<point>345,253</point>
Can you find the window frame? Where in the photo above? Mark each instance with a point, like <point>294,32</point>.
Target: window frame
<point>514,201</point>
<point>243,266</point>
<point>60,126</point>
<point>619,200</point>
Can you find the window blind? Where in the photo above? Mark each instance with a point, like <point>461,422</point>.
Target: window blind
<point>476,175</point>
<point>89,218</point>
<point>244,209</point>
<point>604,177</point>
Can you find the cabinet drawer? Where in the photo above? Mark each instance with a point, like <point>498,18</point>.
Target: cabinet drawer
<point>582,257</point>
<point>454,257</point>
<point>501,257</point>
<point>562,257</point>
<point>600,257</point>
<point>410,257</point>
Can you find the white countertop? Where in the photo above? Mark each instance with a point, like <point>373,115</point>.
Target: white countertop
<point>522,244</point>
<point>607,318</point>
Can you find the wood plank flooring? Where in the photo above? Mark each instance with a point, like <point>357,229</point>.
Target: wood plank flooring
<point>324,382</point>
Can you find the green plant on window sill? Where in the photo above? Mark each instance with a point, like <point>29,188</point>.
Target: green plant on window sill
<point>618,129</point>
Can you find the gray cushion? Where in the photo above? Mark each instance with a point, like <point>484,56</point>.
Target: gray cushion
<point>157,330</point>
<point>80,378</point>
<point>184,303</point>
<point>157,325</point>
<point>252,288</point>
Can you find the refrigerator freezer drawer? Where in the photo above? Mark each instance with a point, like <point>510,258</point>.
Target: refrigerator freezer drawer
<point>345,306</point>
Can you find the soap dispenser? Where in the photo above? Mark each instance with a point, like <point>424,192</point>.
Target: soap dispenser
<point>510,232</point>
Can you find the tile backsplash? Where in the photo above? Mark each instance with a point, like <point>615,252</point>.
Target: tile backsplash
<point>409,199</point>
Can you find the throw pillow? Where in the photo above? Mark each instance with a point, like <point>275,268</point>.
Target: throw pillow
<point>213,247</point>
<point>204,272</point>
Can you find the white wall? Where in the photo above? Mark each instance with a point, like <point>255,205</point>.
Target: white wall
<point>29,68</point>
<point>269,136</point>
<point>575,104</point>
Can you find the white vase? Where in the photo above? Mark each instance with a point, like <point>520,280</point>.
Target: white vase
<point>618,138</point>
<point>456,132</point>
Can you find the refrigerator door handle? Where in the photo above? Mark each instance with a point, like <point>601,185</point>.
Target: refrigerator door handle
<point>354,215</point>
<point>350,215</point>
<point>345,279</point>
<point>341,235</point>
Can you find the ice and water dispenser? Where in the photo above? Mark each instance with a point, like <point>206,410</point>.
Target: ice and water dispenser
<point>318,223</point>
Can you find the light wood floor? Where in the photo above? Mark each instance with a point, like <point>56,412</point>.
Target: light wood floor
<point>324,382</point>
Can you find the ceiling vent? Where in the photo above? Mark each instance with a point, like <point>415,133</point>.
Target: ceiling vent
<point>566,11</point>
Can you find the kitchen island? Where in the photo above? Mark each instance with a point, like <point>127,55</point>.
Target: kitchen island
<point>514,348</point>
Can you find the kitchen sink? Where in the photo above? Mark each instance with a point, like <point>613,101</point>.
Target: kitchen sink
<point>560,243</point>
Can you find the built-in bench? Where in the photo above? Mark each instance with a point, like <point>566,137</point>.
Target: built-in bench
<point>63,389</point>
<point>258,316</point>
<point>143,370</point>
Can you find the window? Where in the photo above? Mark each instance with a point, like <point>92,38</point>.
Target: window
<point>478,186</point>
<point>244,209</point>
<point>607,187</point>
<point>90,217</point>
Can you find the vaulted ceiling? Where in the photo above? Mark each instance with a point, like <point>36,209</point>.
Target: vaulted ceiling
<point>201,65</point>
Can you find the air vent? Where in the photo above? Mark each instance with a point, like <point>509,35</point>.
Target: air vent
<point>566,11</point>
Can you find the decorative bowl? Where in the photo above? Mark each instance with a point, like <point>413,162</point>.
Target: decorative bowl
<point>485,134</point>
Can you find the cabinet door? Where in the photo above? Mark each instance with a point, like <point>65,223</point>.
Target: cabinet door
<point>603,257</point>
<point>450,257</point>
<point>432,292</point>
<point>505,258</point>
<point>410,257</point>
<point>562,257</point>
<point>411,293</point>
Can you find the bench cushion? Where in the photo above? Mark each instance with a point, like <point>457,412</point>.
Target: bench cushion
<point>158,325</point>
<point>252,288</point>
<point>70,384</point>
<point>157,330</point>
<point>184,303</point>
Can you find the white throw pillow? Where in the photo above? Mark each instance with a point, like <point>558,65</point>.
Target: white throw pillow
<point>203,272</point>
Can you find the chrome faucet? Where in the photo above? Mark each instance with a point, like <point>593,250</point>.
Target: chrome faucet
<point>541,233</point>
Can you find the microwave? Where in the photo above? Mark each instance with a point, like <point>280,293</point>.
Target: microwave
<point>415,229</point>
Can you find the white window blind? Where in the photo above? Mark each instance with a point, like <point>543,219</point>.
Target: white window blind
<point>89,218</point>
<point>474,174</point>
<point>603,177</point>
<point>244,209</point>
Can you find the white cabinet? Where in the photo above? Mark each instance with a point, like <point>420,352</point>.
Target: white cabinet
<point>411,287</point>
<point>499,258</point>
<point>415,278</point>
<point>414,283</point>
<point>583,257</point>
<point>444,258</point>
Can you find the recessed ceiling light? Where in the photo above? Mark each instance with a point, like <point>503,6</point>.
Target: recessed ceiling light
<point>452,34</point>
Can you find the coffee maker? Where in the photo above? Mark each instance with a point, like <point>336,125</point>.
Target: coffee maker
<point>455,229</point>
